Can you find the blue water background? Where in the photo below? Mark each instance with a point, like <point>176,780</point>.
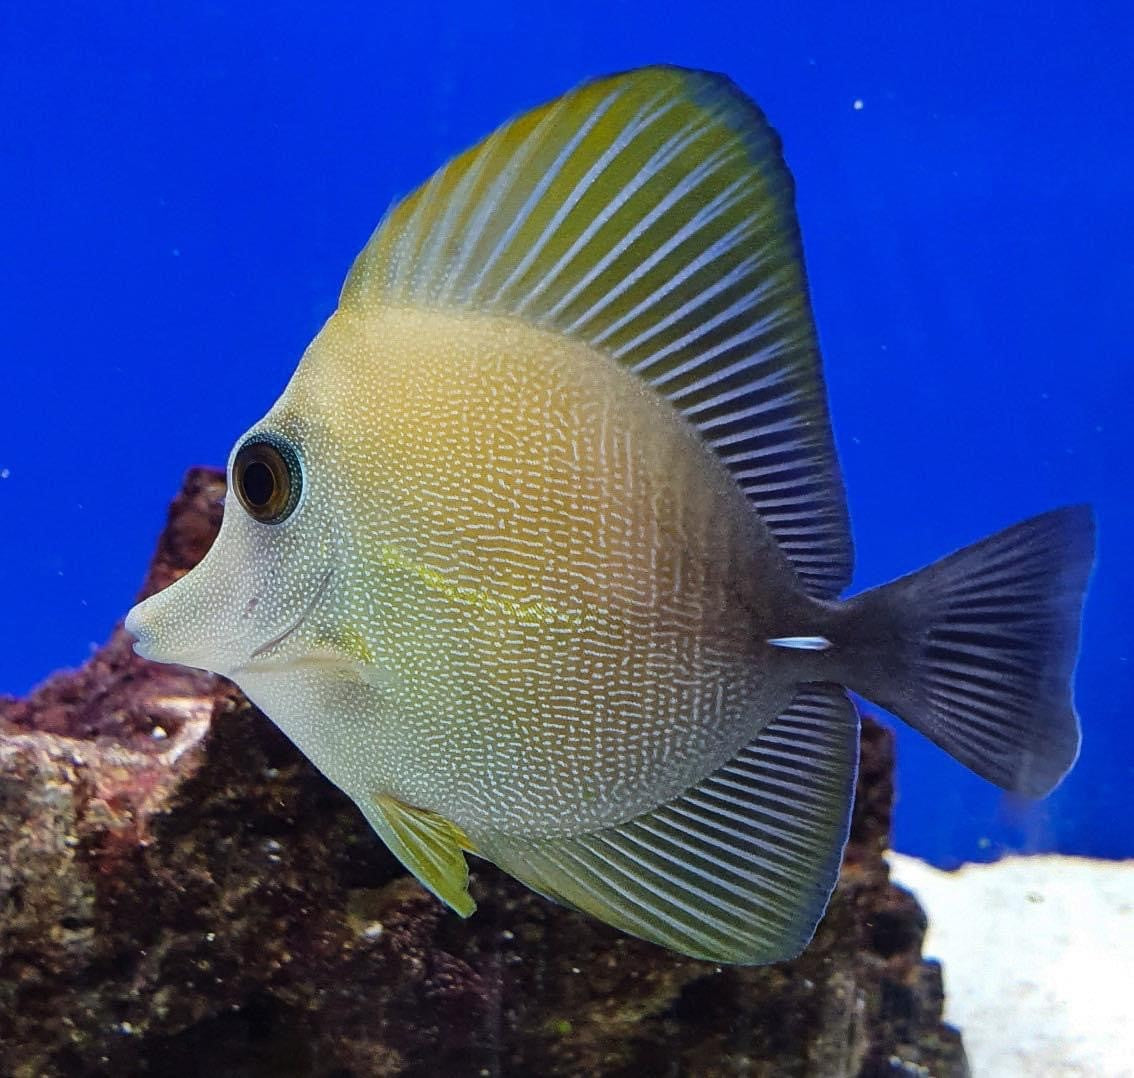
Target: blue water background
<point>182,187</point>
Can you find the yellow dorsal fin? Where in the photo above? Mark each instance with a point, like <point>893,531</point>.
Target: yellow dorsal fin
<point>651,216</point>
<point>430,846</point>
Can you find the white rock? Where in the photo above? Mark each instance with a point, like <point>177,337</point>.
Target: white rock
<point>1038,955</point>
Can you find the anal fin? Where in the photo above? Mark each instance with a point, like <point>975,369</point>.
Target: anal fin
<point>737,869</point>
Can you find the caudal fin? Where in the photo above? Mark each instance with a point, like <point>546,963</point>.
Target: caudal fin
<point>977,651</point>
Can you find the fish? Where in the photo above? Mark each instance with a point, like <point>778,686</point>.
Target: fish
<point>540,555</point>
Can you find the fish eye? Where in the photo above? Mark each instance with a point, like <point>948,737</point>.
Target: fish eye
<point>267,478</point>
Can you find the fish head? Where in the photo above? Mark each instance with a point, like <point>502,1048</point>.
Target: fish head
<point>265,596</point>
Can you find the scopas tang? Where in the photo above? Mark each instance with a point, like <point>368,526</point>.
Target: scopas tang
<point>538,556</point>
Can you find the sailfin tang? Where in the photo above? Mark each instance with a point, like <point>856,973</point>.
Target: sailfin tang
<point>977,651</point>
<point>737,869</point>
<point>651,216</point>
<point>428,845</point>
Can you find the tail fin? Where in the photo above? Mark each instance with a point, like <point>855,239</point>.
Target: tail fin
<point>977,650</point>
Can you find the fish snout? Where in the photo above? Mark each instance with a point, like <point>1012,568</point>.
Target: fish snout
<point>143,623</point>
<point>143,634</point>
<point>172,627</point>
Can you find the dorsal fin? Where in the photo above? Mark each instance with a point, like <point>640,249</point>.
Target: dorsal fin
<point>650,215</point>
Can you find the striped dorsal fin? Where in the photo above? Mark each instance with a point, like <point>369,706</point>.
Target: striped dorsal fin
<point>650,215</point>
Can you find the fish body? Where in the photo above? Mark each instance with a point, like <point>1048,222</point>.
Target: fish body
<point>538,555</point>
<point>523,503</point>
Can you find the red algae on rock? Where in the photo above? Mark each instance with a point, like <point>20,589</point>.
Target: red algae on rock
<point>181,893</point>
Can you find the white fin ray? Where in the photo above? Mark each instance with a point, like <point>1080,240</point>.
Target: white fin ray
<point>546,179</point>
<point>730,314</point>
<point>478,226</point>
<point>669,150</point>
<point>460,205</point>
<point>704,217</point>
<point>641,121</point>
<point>650,216</point>
<point>733,277</point>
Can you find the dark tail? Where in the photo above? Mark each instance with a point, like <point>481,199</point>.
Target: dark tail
<point>977,651</point>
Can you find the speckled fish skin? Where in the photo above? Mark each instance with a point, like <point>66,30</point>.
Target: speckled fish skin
<point>561,595</point>
<point>560,584</point>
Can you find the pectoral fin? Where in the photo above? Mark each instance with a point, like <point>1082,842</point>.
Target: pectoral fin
<point>430,846</point>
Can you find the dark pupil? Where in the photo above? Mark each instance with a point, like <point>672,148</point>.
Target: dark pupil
<point>259,483</point>
<point>267,478</point>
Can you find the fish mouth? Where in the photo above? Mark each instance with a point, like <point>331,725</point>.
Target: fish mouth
<point>143,635</point>
<point>262,650</point>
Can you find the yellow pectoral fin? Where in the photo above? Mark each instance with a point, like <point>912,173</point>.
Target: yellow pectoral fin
<point>430,846</point>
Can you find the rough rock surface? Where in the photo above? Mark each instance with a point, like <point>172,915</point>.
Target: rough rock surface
<point>182,894</point>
